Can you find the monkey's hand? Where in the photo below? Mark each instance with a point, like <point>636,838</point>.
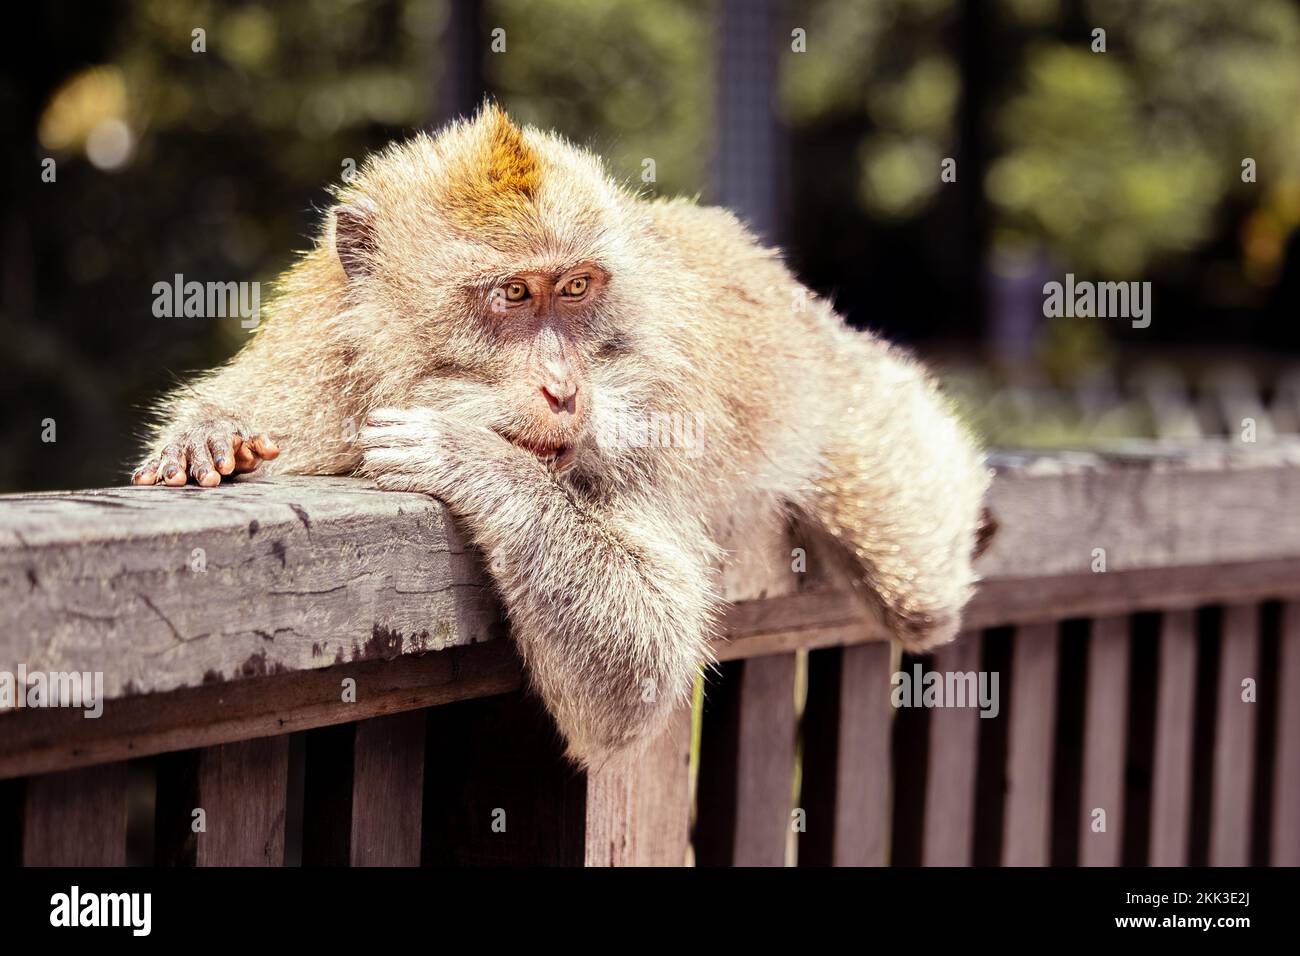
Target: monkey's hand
<point>611,607</point>
<point>425,450</point>
<point>205,450</point>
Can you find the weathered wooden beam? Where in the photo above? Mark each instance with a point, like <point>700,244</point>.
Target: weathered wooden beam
<point>39,741</point>
<point>162,590</point>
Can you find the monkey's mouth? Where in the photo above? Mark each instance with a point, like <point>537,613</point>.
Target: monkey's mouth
<point>559,457</point>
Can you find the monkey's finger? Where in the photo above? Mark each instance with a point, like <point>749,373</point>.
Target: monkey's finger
<point>146,474</point>
<point>202,469</point>
<point>173,466</point>
<point>263,445</point>
<point>223,455</point>
<point>402,435</point>
<point>246,459</point>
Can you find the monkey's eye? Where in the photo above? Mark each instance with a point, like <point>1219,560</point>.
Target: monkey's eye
<point>516,292</point>
<point>575,287</point>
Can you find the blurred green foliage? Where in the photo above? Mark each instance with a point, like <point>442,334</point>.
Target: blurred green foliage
<point>1108,160</point>
<point>215,164</point>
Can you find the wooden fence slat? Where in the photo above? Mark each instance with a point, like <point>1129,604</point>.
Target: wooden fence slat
<point>640,815</point>
<point>765,778</point>
<point>76,818</point>
<point>1027,809</point>
<point>845,792</point>
<point>747,764</point>
<point>388,790</point>
<point>241,789</point>
<point>950,777</point>
<point>363,792</point>
<point>1105,739</point>
<point>1285,849</point>
<point>1234,739</point>
<point>1172,777</point>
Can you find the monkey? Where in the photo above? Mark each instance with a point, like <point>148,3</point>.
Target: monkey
<point>488,317</point>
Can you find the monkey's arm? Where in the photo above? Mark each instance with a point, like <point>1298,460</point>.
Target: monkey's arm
<point>279,391</point>
<point>903,492</point>
<point>611,610</point>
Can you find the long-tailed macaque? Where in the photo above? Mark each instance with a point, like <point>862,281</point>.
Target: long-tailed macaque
<point>594,384</point>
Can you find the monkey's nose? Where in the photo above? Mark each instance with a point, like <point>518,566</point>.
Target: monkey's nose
<point>561,396</point>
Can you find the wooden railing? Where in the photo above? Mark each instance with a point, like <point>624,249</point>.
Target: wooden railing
<point>314,671</point>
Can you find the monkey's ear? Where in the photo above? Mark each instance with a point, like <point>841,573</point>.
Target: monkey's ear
<point>354,236</point>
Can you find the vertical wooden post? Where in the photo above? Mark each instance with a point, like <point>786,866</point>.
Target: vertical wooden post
<point>1105,738</point>
<point>1234,739</point>
<point>639,814</point>
<point>1172,776</point>
<point>363,792</point>
<point>950,781</point>
<point>1026,830</point>
<point>241,789</point>
<point>747,764</point>
<point>846,760</point>
<point>1285,850</point>
<point>76,818</point>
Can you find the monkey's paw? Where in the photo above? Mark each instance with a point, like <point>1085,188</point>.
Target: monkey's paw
<point>205,452</point>
<point>468,466</point>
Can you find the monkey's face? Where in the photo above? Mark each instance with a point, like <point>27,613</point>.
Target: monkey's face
<point>540,323</point>
<point>493,276</point>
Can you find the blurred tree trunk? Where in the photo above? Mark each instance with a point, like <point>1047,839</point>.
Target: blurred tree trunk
<point>461,87</point>
<point>751,144</point>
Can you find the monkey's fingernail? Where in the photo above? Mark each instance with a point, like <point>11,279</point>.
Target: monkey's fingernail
<point>220,462</point>
<point>170,472</point>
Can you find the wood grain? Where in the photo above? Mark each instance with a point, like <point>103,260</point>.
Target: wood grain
<point>363,792</point>
<point>305,573</point>
<point>297,574</point>
<point>640,814</point>
<point>1285,850</point>
<point>1172,774</point>
<point>1105,738</point>
<point>1030,747</point>
<point>846,759</point>
<point>37,741</point>
<point>241,789</point>
<point>75,818</point>
<point>1234,739</point>
<point>747,764</point>
<point>950,780</point>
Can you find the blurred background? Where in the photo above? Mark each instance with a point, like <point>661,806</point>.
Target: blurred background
<point>824,124</point>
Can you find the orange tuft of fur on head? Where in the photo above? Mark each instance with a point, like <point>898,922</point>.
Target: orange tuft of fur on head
<point>503,176</point>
